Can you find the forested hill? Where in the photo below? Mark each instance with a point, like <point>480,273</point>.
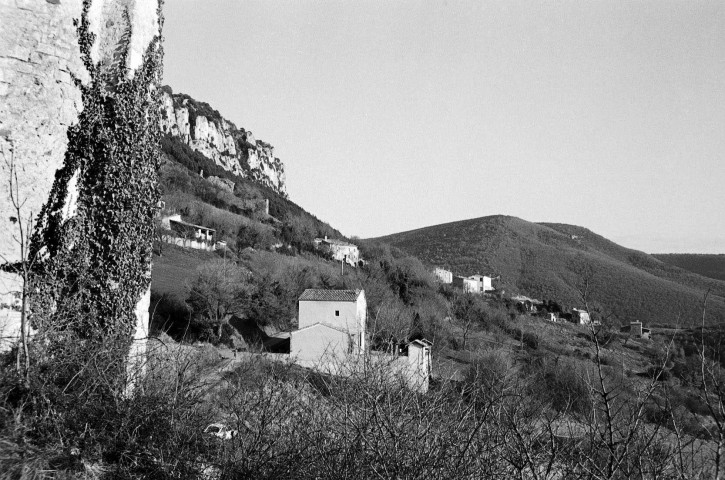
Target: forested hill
<point>553,261</point>
<point>707,265</point>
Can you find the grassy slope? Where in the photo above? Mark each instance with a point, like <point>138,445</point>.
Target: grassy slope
<point>707,265</point>
<point>544,261</point>
<point>176,268</point>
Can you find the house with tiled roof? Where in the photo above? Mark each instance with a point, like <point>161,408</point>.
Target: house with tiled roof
<point>332,323</point>
<point>341,250</point>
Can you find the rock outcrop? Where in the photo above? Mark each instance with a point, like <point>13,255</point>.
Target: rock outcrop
<point>234,149</point>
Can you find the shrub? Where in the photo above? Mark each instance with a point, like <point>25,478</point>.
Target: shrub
<point>531,340</point>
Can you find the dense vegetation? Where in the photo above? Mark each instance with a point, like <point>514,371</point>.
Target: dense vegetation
<point>554,261</point>
<point>707,265</point>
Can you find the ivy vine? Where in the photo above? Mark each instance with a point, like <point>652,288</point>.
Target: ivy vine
<point>97,264</point>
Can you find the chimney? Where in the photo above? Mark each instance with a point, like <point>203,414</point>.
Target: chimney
<point>325,237</point>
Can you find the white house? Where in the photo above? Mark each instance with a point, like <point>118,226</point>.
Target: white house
<point>470,285</point>
<point>331,323</point>
<point>186,234</point>
<point>580,317</point>
<point>443,275</point>
<point>480,283</point>
<point>341,251</point>
<point>419,365</point>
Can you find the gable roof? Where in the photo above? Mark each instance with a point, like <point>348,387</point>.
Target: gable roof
<point>316,295</point>
<point>321,325</point>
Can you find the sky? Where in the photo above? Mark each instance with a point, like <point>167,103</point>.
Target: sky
<point>391,116</point>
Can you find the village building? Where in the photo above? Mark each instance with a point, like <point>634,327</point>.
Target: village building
<point>331,323</point>
<point>443,275</point>
<point>332,337</point>
<point>474,283</point>
<point>341,251</point>
<point>186,234</point>
<point>635,329</point>
<point>480,283</point>
<point>580,317</point>
<point>419,368</point>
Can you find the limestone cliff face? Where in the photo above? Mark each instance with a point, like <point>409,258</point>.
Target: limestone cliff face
<point>234,149</point>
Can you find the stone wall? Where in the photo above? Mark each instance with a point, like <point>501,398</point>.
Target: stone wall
<point>38,101</point>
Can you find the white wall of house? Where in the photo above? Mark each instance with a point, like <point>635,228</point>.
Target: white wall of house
<point>345,253</point>
<point>482,283</point>
<point>419,366</point>
<point>320,342</point>
<point>189,243</point>
<point>580,316</point>
<point>470,285</point>
<point>443,275</point>
<point>348,316</point>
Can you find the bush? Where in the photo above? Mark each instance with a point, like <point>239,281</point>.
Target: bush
<point>531,340</point>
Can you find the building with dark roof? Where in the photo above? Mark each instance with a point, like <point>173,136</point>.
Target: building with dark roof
<point>331,322</point>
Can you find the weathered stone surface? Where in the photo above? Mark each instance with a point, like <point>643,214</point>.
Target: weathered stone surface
<point>38,101</point>
<point>39,53</point>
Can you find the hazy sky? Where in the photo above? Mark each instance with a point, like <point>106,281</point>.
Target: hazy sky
<point>394,115</point>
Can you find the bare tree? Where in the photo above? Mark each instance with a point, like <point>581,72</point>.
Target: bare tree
<point>220,291</point>
<point>23,222</point>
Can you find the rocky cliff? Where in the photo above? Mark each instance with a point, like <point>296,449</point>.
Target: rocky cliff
<point>234,149</point>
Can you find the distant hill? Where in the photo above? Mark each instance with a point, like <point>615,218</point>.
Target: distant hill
<point>552,261</point>
<point>707,265</point>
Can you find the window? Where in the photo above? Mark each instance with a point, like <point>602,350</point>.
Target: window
<point>337,313</point>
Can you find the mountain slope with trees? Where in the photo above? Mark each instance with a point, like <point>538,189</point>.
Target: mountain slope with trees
<point>707,265</point>
<point>556,261</point>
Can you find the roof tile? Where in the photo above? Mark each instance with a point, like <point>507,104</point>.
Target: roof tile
<point>316,295</point>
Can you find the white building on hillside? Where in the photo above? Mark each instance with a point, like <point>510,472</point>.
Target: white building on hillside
<point>341,251</point>
<point>443,275</point>
<point>186,234</point>
<point>331,338</point>
<point>475,283</point>
<point>580,317</point>
<point>419,365</point>
<point>331,323</point>
<point>483,283</point>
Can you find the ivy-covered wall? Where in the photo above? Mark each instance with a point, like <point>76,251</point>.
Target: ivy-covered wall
<point>94,234</point>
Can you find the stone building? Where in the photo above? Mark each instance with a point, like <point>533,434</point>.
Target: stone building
<point>341,251</point>
<point>332,323</point>
<point>635,329</point>
<point>480,283</point>
<point>443,275</point>
<point>580,317</point>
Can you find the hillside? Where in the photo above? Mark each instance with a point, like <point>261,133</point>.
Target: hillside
<point>707,265</point>
<point>552,261</point>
